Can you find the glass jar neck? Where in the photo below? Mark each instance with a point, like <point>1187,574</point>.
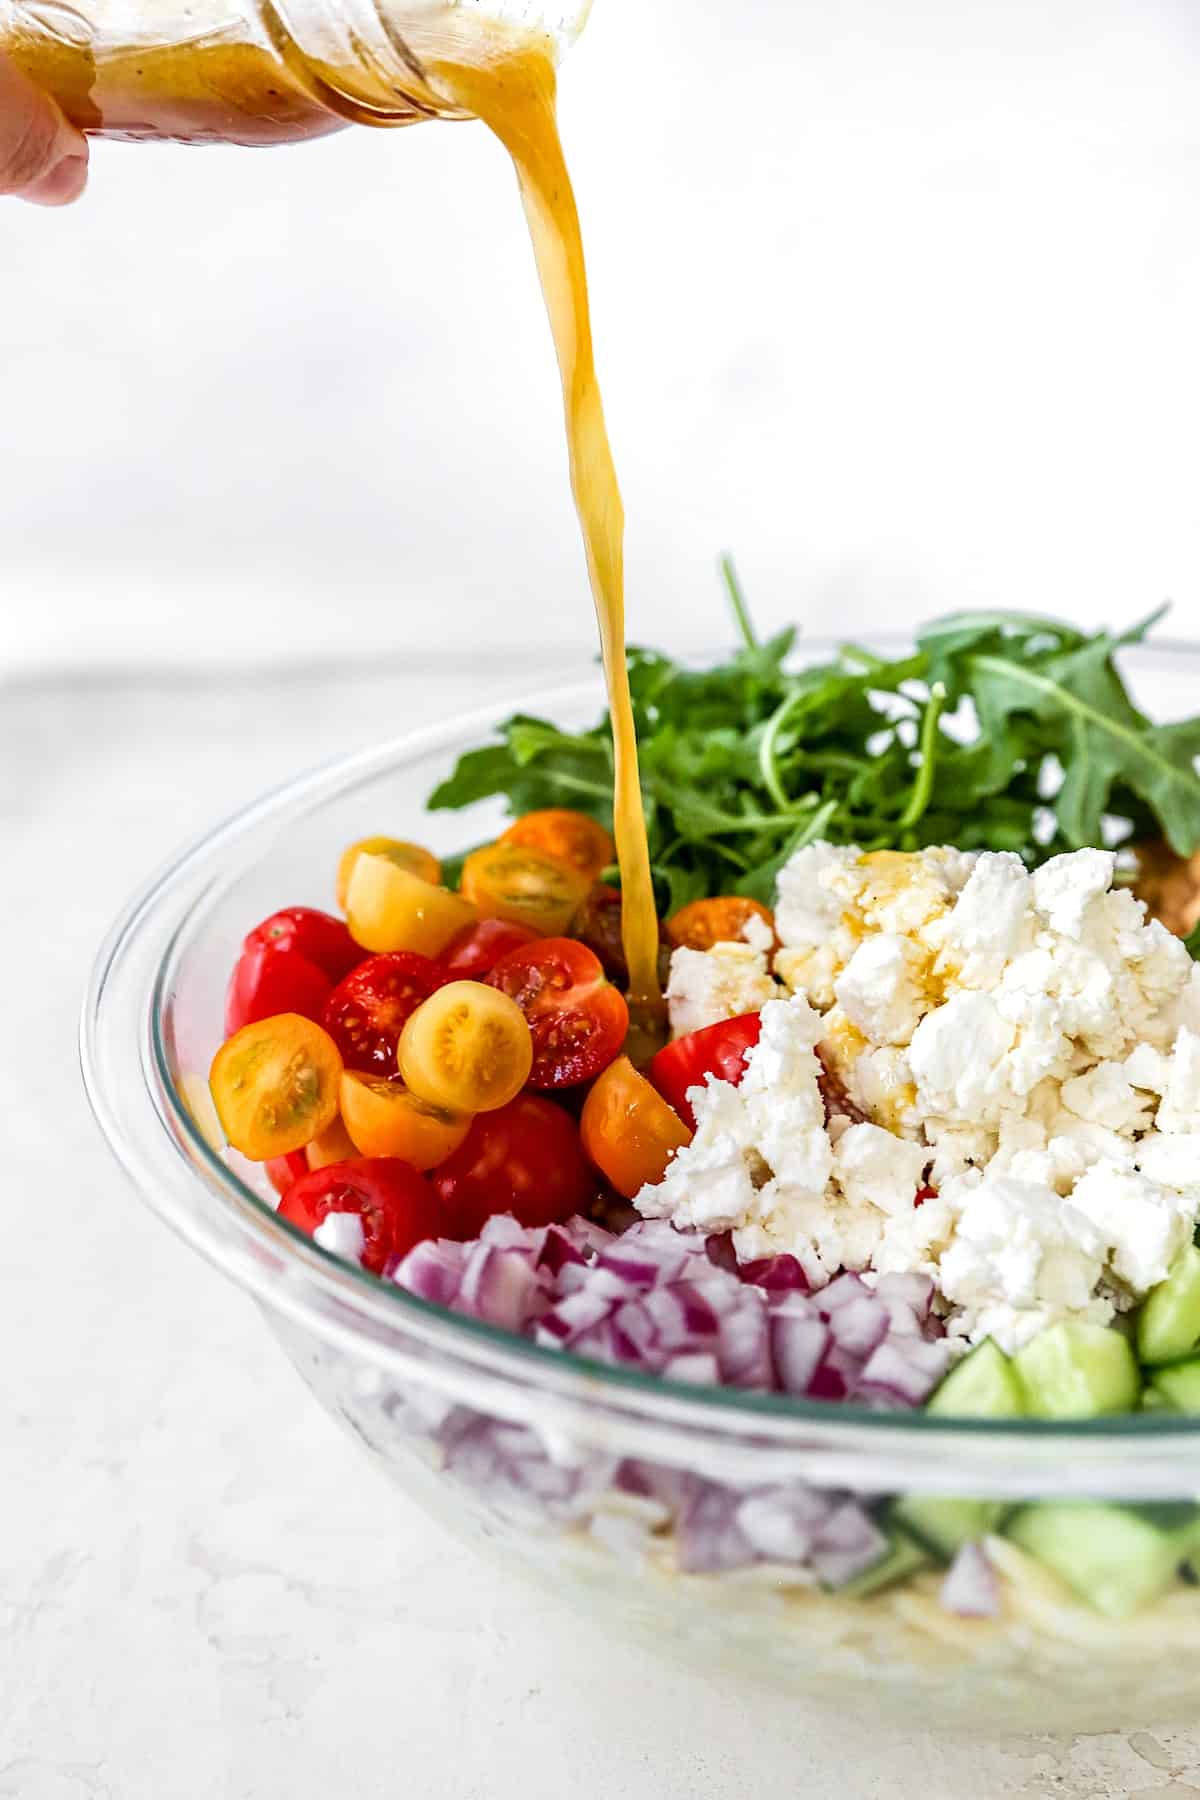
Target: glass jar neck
<point>375,62</point>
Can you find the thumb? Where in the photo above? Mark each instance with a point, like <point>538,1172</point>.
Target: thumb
<point>42,157</point>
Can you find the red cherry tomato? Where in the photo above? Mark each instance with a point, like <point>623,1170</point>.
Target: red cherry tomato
<point>367,1011</point>
<point>475,952</point>
<point>718,1050</point>
<point>266,981</point>
<point>284,1171</point>
<point>525,1159</point>
<point>317,935</point>
<point>577,1019</point>
<point>398,1208</point>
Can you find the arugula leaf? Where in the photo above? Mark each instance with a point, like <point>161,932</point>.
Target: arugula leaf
<point>1001,731</point>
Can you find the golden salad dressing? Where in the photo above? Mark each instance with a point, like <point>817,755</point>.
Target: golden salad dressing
<point>460,60</point>
<point>513,93</point>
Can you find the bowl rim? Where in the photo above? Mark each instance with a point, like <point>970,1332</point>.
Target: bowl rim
<point>155,1136</point>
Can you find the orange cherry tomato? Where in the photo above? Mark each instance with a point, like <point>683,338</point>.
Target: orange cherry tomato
<point>384,1118</point>
<point>390,909</point>
<point>467,1049</point>
<point>703,923</point>
<point>628,1129</point>
<point>506,881</point>
<point>413,857</point>
<point>334,1145</point>
<point>275,1085</point>
<point>569,837</point>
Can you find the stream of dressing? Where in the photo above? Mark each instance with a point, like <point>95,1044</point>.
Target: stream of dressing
<point>513,93</point>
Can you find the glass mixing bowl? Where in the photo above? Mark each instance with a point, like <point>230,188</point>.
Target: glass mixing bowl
<point>576,1472</point>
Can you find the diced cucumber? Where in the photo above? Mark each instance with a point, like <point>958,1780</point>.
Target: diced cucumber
<point>943,1523</point>
<point>901,1559</point>
<point>1168,1325</point>
<point>1078,1371</point>
<point>983,1385</point>
<point>1177,1387</point>
<point>1116,1558</point>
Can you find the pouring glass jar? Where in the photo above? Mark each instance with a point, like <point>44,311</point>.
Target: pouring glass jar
<point>256,72</point>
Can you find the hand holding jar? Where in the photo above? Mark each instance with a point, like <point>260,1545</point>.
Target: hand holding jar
<point>42,157</point>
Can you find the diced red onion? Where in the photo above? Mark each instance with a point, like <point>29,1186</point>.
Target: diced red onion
<point>798,1342</point>
<point>698,1367</point>
<point>777,1274</point>
<point>707,1535</point>
<point>902,1372</point>
<point>846,1544</point>
<point>571,1317</point>
<point>970,1588</point>
<point>781,1523</point>
<point>744,1347</point>
<point>433,1271</point>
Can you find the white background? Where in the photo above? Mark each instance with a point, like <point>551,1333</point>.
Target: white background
<point>897,298</point>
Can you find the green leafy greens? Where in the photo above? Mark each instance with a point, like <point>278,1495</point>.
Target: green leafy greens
<point>1001,731</point>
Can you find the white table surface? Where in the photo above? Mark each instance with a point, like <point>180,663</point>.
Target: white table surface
<point>205,1594</point>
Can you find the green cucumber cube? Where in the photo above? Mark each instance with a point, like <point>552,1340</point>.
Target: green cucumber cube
<point>1077,1370</point>
<point>1177,1387</point>
<point>1168,1326</point>
<point>983,1385</point>
<point>1116,1558</point>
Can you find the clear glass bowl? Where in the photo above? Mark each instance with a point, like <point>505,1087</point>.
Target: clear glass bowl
<point>538,1456</point>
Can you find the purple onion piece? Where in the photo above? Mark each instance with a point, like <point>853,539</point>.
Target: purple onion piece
<point>971,1589</point>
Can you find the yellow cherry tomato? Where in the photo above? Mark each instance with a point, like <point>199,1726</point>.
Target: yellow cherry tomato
<point>384,1118</point>
<point>467,1048</point>
<point>413,857</point>
<point>569,837</point>
<point>389,908</point>
<point>275,1085</point>
<point>628,1129</point>
<point>334,1145</point>
<point>527,887</point>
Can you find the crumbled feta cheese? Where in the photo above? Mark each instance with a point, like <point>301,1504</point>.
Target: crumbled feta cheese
<point>342,1233</point>
<point>706,986</point>
<point>1029,1044</point>
<point>758,934</point>
<point>1020,1257</point>
<point>880,989</point>
<point>873,1168</point>
<point>1142,1224</point>
<point>1180,1109</point>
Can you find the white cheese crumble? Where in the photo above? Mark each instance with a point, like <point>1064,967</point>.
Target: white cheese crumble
<point>706,986</point>
<point>342,1233</point>
<point>1027,1044</point>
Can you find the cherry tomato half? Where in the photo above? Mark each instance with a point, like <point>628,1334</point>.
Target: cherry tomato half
<point>398,1208</point>
<point>365,1013</point>
<point>525,1159</point>
<point>275,1085</point>
<point>389,908</point>
<point>475,952</point>
<point>412,857</point>
<point>384,1119</point>
<point>718,1050</point>
<point>703,923</point>
<point>628,1129</point>
<point>505,881</point>
<point>570,837</point>
<point>466,1049</point>
<point>578,1020</point>
<point>266,981</point>
<point>334,1145</point>
<point>317,935</point>
<point>284,1171</point>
